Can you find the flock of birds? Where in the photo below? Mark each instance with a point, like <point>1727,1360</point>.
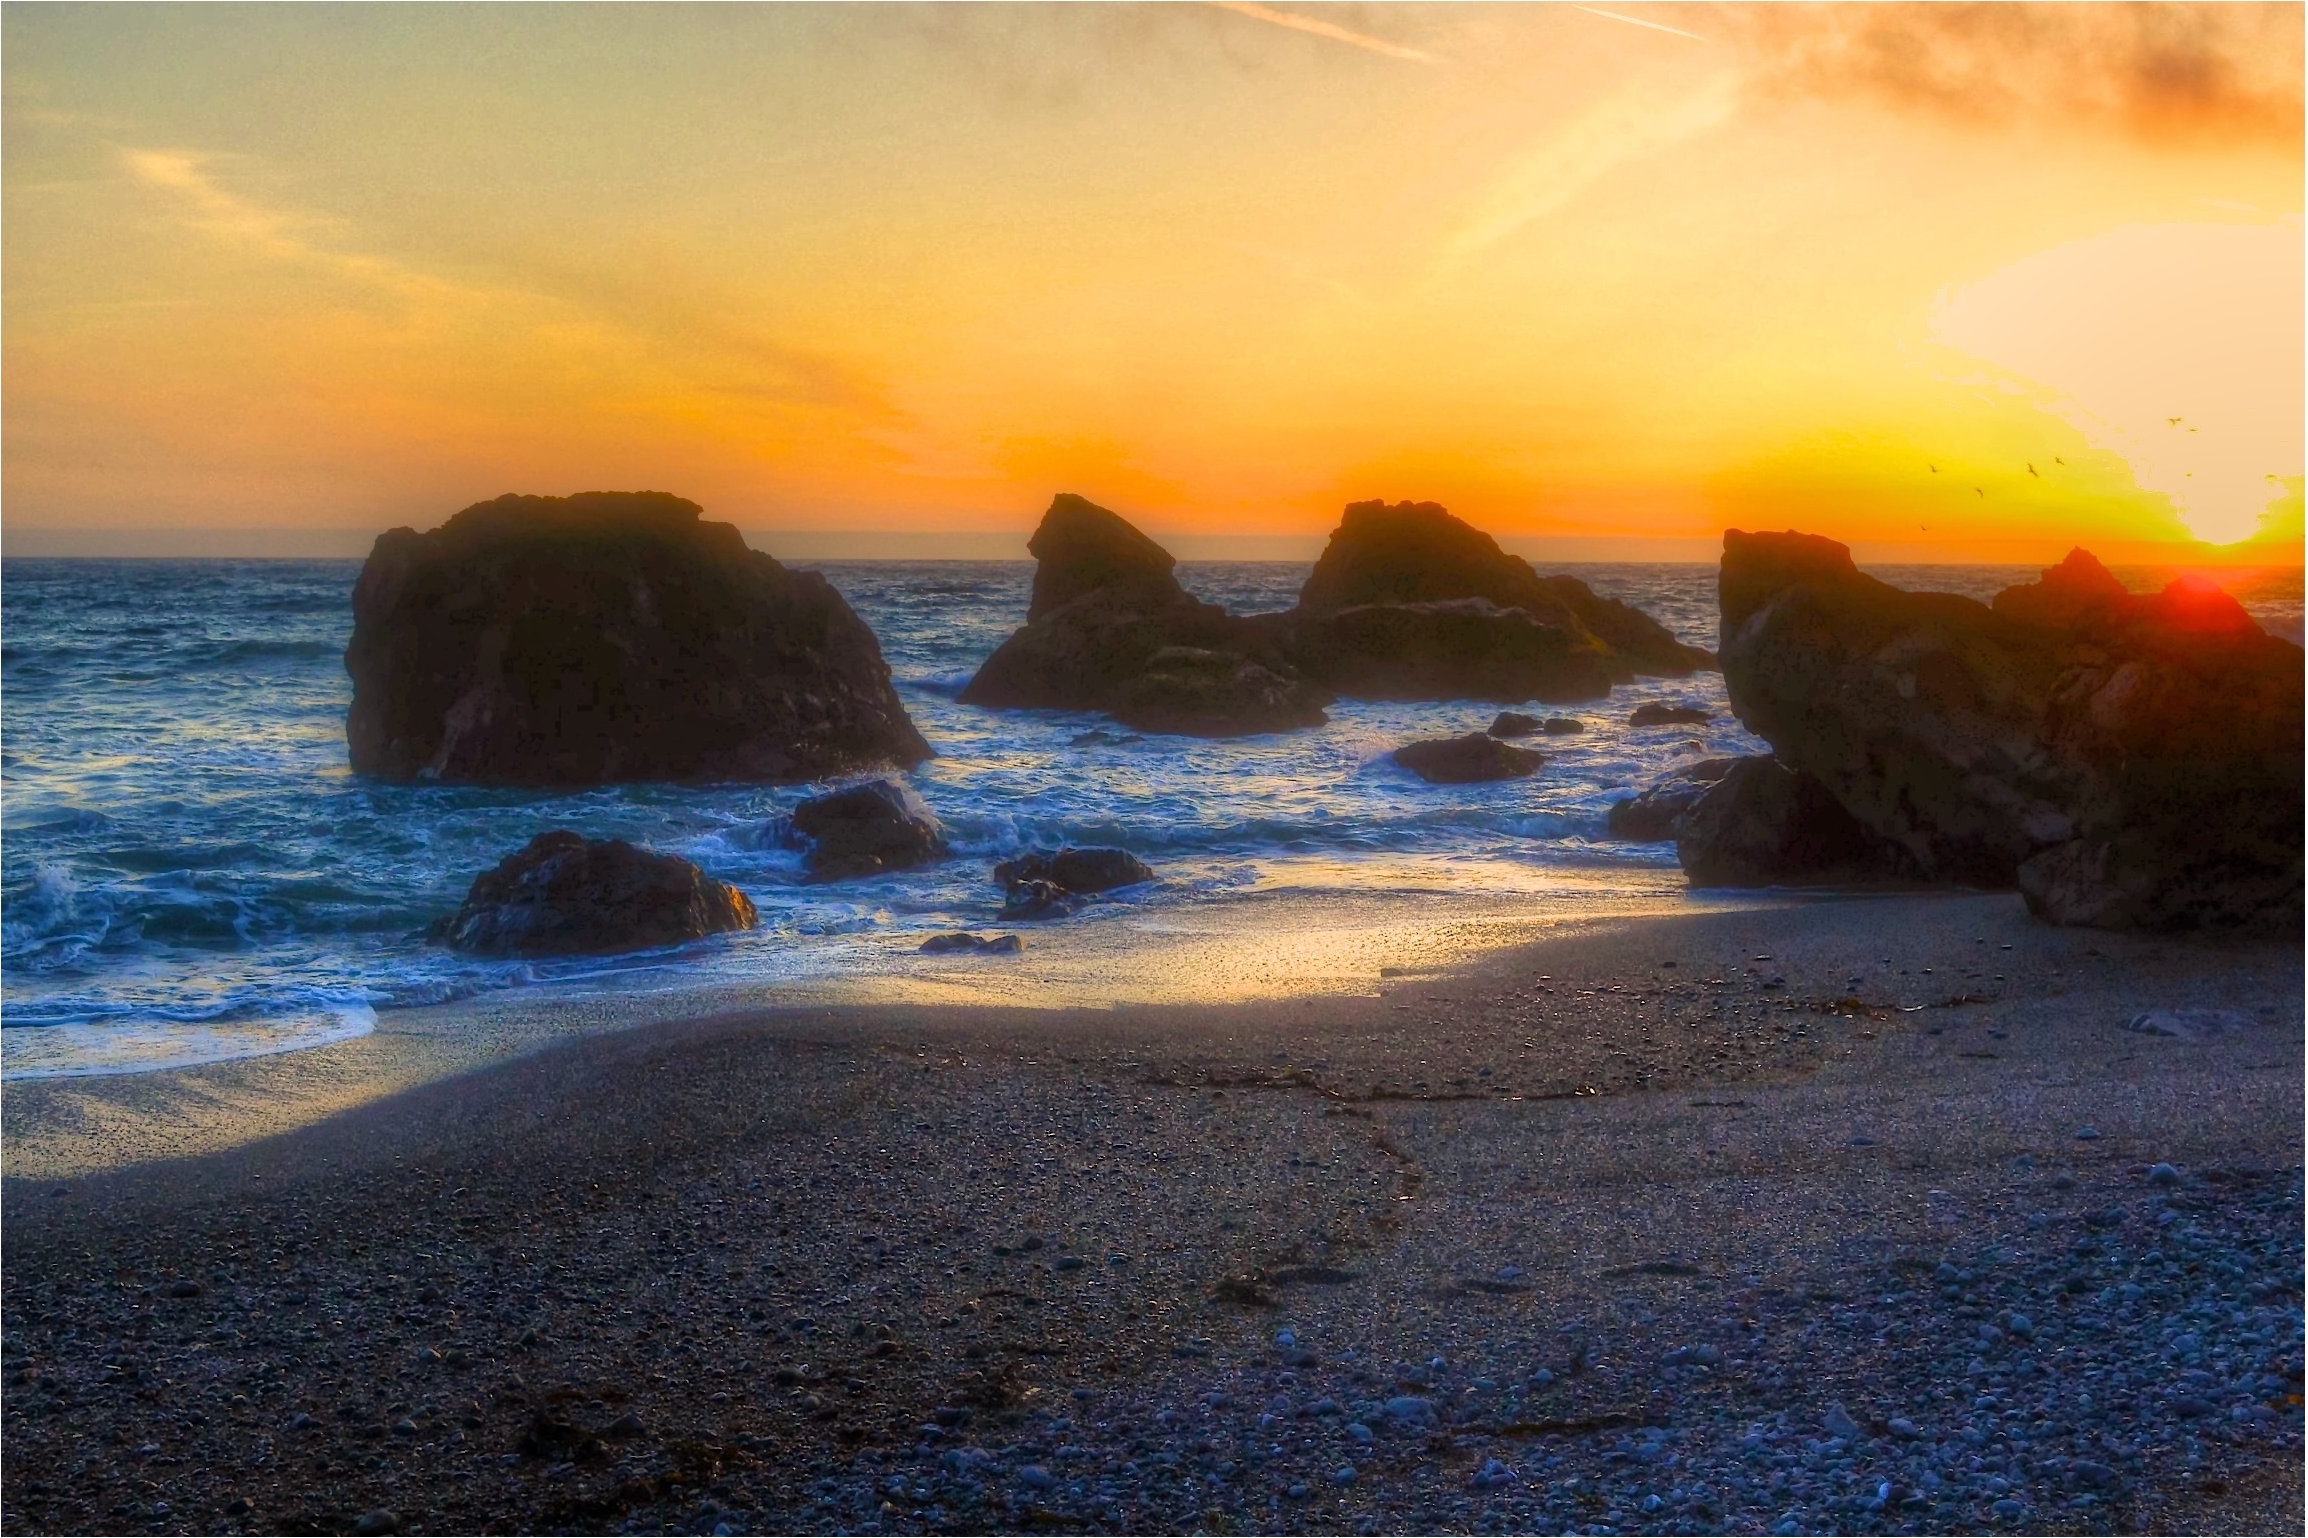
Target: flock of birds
<point>1981,491</point>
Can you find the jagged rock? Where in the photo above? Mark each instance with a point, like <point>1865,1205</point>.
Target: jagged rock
<point>1110,629</point>
<point>1463,648</point>
<point>982,945</point>
<point>1076,870</point>
<point>564,894</point>
<point>1654,816</point>
<point>1763,824</point>
<point>1513,723</point>
<point>2128,761</point>
<point>1656,714</point>
<point>1416,553</point>
<point>605,637</point>
<point>1562,726</point>
<point>866,829</point>
<point>1466,760</point>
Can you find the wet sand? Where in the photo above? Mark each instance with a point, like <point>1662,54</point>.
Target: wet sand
<point>1608,1219</point>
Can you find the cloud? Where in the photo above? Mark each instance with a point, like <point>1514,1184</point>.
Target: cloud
<point>592,312</point>
<point>1607,135</point>
<point>2163,73</point>
<point>1335,33</point>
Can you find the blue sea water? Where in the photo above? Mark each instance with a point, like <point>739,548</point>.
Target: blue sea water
<point>189,870</point>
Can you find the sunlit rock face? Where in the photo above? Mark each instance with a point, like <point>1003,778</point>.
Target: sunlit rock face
<point>607,637</point>
<point>1110,629</point>
<point>1408,602</point>
<point>2127,761</point>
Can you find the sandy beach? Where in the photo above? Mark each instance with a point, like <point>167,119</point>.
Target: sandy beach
<point>1860,1216</point>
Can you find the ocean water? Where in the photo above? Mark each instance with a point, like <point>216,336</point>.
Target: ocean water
<point>189,871</point>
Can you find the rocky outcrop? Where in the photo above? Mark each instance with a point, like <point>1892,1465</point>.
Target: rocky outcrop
<point>2128,761</point>
<point>1051,886</point>
<point>1763,824</point>
<point>1654,816</point>
<point>1513,723</point>
<point>1466,760</point>
<point>1110,629</point>
<point>866,829</point>
<point>971,945</point>
<point>1415,554</point>
<point>564,894</point>
<point>605,637</point>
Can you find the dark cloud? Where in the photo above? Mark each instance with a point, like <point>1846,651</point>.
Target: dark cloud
<point>2180,74</point>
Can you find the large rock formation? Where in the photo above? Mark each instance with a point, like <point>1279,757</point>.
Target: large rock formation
<point>1468,760</point>
<point>1412,554</point>
<point>2128,761</point>
<point>1463,649</point>
<point>1110,629</point>
<point>605,637</point>
<point>1656,815</point>
<point>563,894</point>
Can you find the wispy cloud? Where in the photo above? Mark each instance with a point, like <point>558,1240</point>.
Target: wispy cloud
<point>1611,133</point>
<point>1637,21</point>
<point>1331,30</point>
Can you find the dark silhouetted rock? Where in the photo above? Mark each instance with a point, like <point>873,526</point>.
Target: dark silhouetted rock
<point>1080,548</point>
<point>1466,760</point>
<point>1656,714</point>
<point>1513,723</point>
<point>2065,595</point>
<point>1465,648</point>
<point>865,829</point>
<point>1076,870</point>
<point>605,637</point>
<point>1110,629</point>
<point>564,894</point>
<point>2128,761</point>
<point>1563,726</point>
<point>1653,816</point>
<point>1416,553</point>
<point>982,945</point>
<point>1762,824</point>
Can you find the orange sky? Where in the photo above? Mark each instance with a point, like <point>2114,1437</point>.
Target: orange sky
<point>1603,279</point>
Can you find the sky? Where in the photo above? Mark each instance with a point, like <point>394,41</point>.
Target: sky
<point>1947,282</point>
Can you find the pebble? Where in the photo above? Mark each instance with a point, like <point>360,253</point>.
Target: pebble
<point>1034,1477</point>
<point>377,1520</point>
<point>2163,1175</point>
<point>1344,1474</point>
<point>2087,1134</point>
<point>1839,1423</point>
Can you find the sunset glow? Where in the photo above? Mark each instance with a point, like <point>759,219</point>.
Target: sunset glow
<point>1624,273</point>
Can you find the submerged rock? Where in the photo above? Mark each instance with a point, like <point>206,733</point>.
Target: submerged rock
<point>1466,760</point>
<point>1077,870</point>
<point>1658,714</point>
<point>2128,761</point>
<point>983,945</point>
<point>564,894</point>
<point>1110,629</point>
<point>1513,723</point>
<point>605,637</point>
<point>1562,726</point>
<point>1034,901</point>
<point>865,829</point>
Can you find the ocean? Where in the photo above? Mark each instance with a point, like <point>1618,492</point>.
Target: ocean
<point>190,872</point>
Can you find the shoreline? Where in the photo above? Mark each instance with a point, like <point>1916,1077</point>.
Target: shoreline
<point>1551,1236</point>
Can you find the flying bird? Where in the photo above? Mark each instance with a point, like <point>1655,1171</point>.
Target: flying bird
<point>2175,421</point>
<point>2057,460</point>
<point>2032,469</point>
<point>1935,469</point>
<point>1975,491</point>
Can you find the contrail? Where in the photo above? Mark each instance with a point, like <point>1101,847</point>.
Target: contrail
<point>1325,29</point>
<point>1637,21</point>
